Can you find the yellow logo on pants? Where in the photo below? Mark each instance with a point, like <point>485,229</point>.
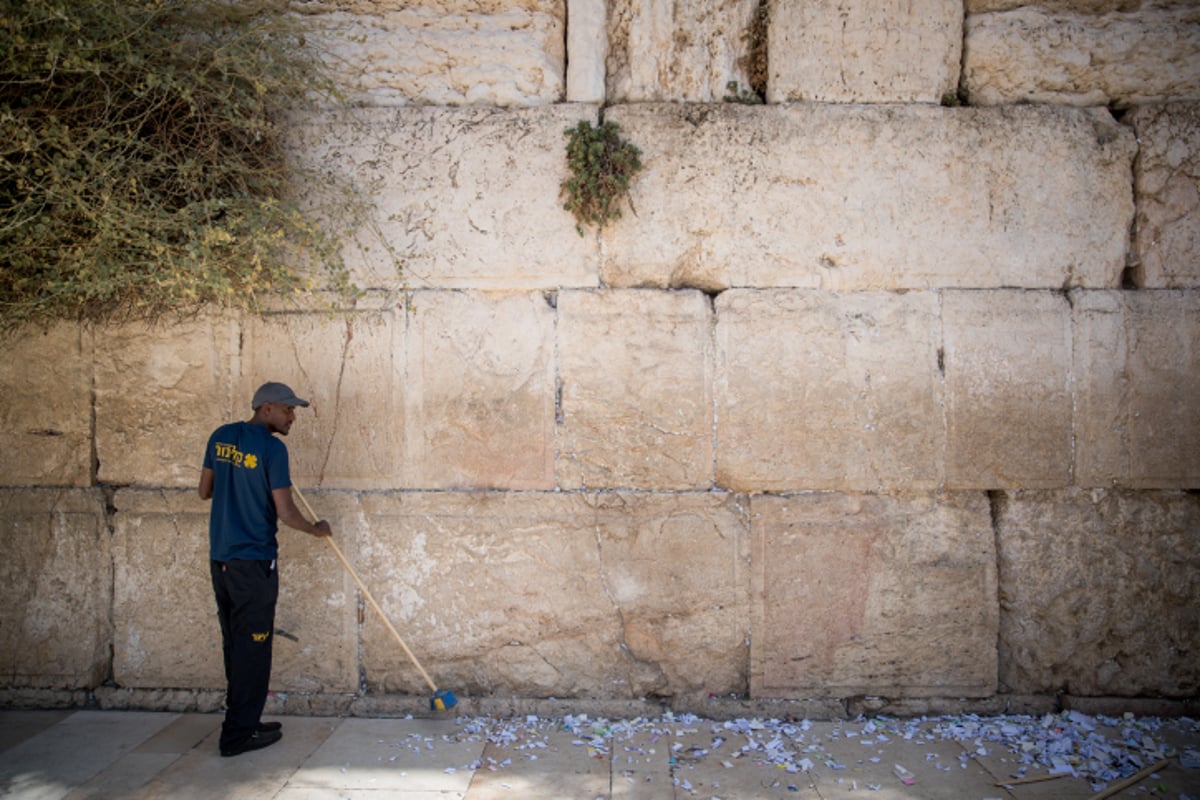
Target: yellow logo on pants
<point>259,637</point>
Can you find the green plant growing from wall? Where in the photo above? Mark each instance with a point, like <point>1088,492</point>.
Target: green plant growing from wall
<point>747,97</point>
<point>143,169</point>
<point>602,165</point>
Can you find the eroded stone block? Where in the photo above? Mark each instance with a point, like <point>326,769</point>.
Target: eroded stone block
<point>877,52</point>
<point>434,52</point>
<point>587,44</point>
<point>479,391</point>
<point>1100,593</point>
<point>851,197</point>
<point>1167,181</point>
<point>351,369</point>
<point>826,391</point>
<point>873,594</point>
<point>460,198</point>
<point>57,579</point>
<point>564,595</point>
<point>1083,56</point>
<point>46,407</point>
<point>1008,389</point>
<point>635,369</point>
<point>165,630</point>
<point>1137,358</point>
<point>158,392</point>
<point>660,50</point>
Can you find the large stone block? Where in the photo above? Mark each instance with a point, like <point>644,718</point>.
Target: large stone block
<point>46,407</point>
<point>1167,182</point>
<point>564,595</point>
<point>1008,389</point>
<point>826,391</point>
<point>57,588</point>
<point>587,44</point>
<point>158,392</point>
<point>479,391</point>
<point>351,369</point>
<point>459,198</point>
<point>871,52</point>
<point>448,390</point>
<point>1137,365</point>
<point>1071,6</point>
<point>661,50</point>
<point>872,197</point>
<point>434,52</point>
<point>1100,593</point>
<point>873,594</point>
<point>164,616</point>
<point>635,374</point>
<point>1084,56</point>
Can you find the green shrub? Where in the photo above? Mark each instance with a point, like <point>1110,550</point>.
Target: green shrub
<point>142,168</point>
<point>602,166</point>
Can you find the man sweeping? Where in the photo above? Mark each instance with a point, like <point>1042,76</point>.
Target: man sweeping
<point>247,477</point>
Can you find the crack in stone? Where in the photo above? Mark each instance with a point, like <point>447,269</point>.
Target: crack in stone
<point>337,400</point>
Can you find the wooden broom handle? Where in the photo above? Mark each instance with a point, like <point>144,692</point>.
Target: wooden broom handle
<point>362,588</point>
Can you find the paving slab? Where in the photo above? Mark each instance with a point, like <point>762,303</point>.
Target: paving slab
<point>710,761</point>
<point>393,755</point>
<point>87,755</point>
<point>893,762</point>
<point>201,773</point>
<point>127,774</point>
<point>540,757</point>
<point>641,768</point>
<point>48,765</point>
<point>18,725</point>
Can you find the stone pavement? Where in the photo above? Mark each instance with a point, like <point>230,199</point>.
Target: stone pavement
<point>134,754</point>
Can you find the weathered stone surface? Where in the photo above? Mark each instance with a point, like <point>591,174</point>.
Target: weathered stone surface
<point>46,407</point>
<point>1113,57</point>
<point>165,631</point>
<point>873,594</point>
<point>479,391</point>
<point>462,198</point>
<point>159,393</point>
<point>565,595</point>
<point>876,52</point>
<point>1100,592</point>
<point>351,369</point>
<point>1167,183</point>
<point>57,579</point>
<point>660,50</point>
<point>636,387</point>
<point>1008,389</point>
<point>442,52</point>
<point>1137,365</point>
<point>587,44</point>
<point>867,197</point>
<point>826,391</point>
<point>1075,6</point>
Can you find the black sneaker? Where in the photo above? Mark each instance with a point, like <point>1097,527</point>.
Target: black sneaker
<point>268,726</point>
<point>256,741</point>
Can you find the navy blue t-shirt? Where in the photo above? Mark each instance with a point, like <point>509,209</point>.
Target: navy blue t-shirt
<point>248,463</point>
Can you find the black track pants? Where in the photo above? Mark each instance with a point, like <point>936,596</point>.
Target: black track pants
<point>246,592</point>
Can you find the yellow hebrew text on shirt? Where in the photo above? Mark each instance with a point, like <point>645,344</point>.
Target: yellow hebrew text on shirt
<point>231,455</point>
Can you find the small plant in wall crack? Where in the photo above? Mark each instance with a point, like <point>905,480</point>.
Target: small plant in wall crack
<point>747,97</point>
<point>602,164</point>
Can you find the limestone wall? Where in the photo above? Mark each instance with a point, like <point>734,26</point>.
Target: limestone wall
<point>884,389</point>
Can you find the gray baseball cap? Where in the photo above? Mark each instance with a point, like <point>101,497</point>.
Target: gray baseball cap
<point>272,392</point>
